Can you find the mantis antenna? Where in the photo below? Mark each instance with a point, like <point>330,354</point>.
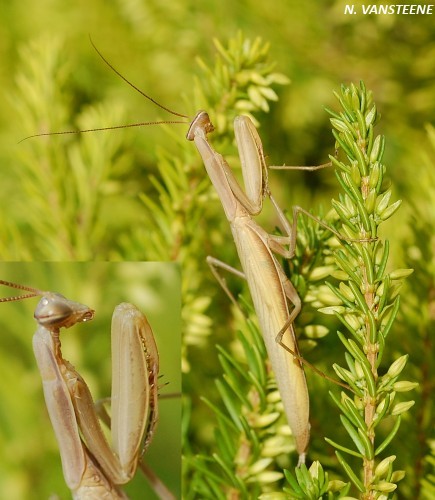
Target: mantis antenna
<point>115,127</point>
<point>34,291</point>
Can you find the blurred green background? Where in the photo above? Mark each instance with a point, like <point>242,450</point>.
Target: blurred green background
<point>30,464</point>
<point>107,196</point>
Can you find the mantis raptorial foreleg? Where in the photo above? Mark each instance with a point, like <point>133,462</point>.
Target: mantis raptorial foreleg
<point>91,468</point>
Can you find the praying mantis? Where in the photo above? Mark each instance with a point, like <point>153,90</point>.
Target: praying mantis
<point>269,286</point>
<point>144,385</point>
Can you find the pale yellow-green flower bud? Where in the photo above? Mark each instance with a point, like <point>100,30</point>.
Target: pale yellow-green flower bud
<point>402,407</point>
<point>405,386</point>
<point>382,468</point>
<point>398,366</point>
